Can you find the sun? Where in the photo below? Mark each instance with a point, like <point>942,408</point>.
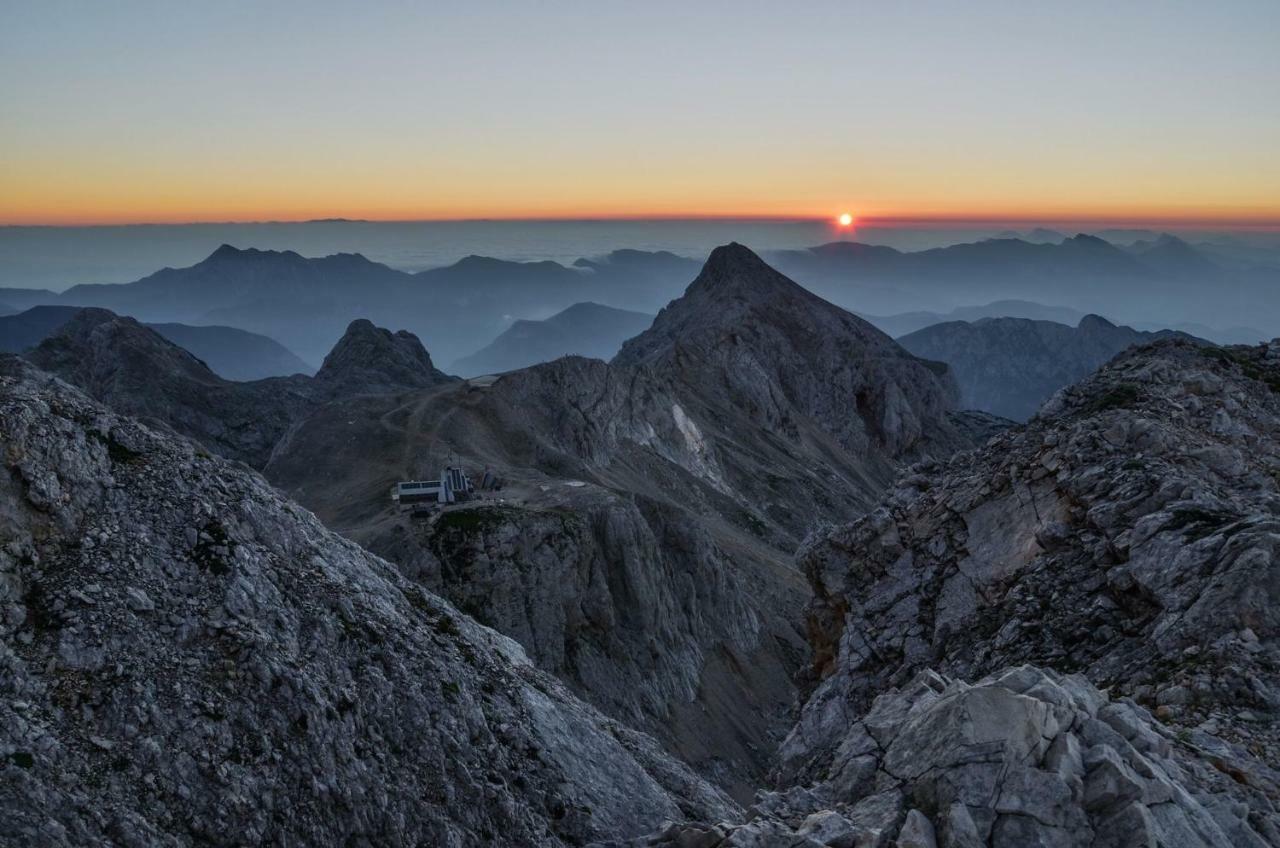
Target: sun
<point>845,219</point>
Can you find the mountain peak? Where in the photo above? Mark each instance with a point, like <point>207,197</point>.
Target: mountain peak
<point>746,332</point>
<point>371,358</point>
<point>226,251</point>
<point>1093,321</point>
<point>231,253</point>
<point>733,259</point>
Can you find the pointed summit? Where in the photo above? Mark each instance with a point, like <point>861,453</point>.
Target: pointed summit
<point>371,359</point>
<point>770,346</point>
<point>226,251</point>
<point>734,270</point>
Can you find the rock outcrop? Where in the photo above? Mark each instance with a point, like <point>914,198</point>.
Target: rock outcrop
<point>1010,366</point>
<point>1129,533</point>
<point>1021,758</point>
<point>187,657</point>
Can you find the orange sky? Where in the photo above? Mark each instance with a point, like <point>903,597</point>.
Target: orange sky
<point>133,112</point>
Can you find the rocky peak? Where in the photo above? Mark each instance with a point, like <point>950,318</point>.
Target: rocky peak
<point>96,347</point>
<point>229,253</point>
<point>373,359</point>
<point>747,335</point>
<point>1093,322</point>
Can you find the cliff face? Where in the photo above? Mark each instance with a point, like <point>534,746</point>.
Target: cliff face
<point>185,656</point>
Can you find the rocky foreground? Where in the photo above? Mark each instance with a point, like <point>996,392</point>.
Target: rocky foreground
<point>1126,539</point>
<point>187,657</point>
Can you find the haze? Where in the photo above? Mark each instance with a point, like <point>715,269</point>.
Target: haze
<point>153,112</point>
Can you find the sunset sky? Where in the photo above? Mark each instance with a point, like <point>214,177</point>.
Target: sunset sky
<point>165,112</point>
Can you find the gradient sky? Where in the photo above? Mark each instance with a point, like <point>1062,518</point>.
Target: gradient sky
<point>140,111</point>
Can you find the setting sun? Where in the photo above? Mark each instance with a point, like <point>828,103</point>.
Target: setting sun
<point>845,219</point>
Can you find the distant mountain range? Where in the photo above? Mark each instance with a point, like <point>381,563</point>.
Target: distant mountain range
<point>1010,366</point>
<point>584,329</point>
<point>1166,281</point>
<point>306,303</point>
<point>233,354</point>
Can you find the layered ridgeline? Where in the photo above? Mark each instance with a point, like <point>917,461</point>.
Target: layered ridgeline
<point>1010,366</point>
<point>189,658</point>
<point>231,353</point>
<point>1106,579</point>
<point>584,329</point>
<point>641,545</point>
<point>1167,281</point>
<point>306,302</point>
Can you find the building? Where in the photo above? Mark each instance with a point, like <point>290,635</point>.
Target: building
<point>453,486</point>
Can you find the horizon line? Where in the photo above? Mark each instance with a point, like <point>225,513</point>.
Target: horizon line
<point>860,222</point>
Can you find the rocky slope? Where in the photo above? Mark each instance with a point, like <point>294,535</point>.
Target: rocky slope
<point>135,370</point>
<point>186,657</point>
<point>231,353</point>
<point>1024,757</point>
<point>1126,537</point>
<point>584,329</point>
<point>1009,366</point>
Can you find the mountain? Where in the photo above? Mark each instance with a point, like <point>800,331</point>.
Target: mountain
<point>1039,235</point>
<point>137,371</point>
<point>908,322</point>
<point>305,303</point>
<point>369,359</point>
<point>1171,255</point>
<point>1105,579</point>
<point>640,280</point>
<point>18,300</point>
<point>233,354</point>
<point>1010,366</point>
<point>746,332</point>
<point>584,329</point>
<point>641,545</point>
<point>190,658</point>
<point>1166,281</point>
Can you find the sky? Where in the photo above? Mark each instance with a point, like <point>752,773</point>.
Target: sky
<point>238,111</point>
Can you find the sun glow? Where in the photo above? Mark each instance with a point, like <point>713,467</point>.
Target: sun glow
<point>845,219</point>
